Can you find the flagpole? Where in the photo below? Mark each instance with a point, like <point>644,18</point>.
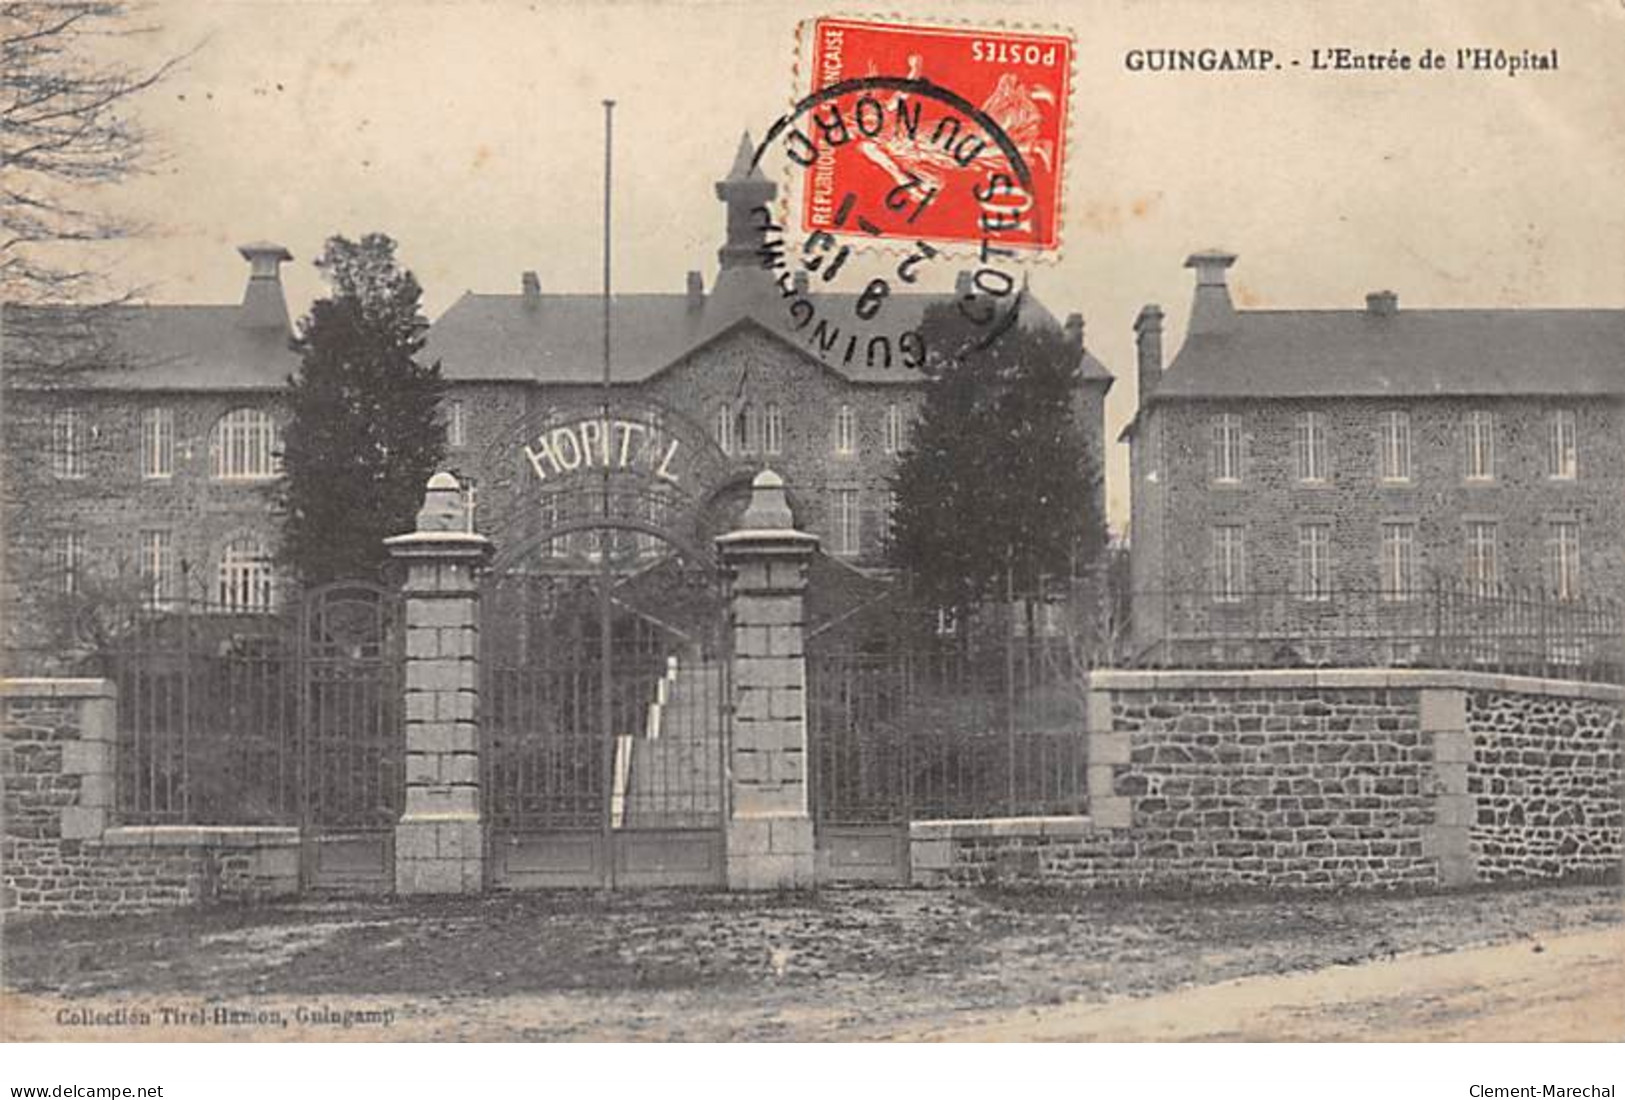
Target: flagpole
<point>606,684</point>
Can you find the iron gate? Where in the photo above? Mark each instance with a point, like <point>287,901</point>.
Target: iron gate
<point>292,718</point>
<point>571,803</point>
<point>935,721</point>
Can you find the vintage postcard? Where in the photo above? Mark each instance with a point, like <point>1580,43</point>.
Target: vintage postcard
<point>673,520</point>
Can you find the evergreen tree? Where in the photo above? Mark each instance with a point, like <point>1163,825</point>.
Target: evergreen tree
<point>997,486</point>
<point>365,432</point>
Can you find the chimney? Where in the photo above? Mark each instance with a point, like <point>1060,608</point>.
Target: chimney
<point>263,303</point>
<point>1148,346</point>
<point>696,292</point>
<point>531,288</point>
<point>1074,330</point>
<point>1211,310</point>
<point>1382,303</point>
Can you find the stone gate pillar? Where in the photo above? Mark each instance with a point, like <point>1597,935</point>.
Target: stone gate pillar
<point>770,833</point>
<point>439,840</point>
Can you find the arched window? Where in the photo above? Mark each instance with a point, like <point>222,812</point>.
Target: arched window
<point>245,581</point>
<point>244,445</point>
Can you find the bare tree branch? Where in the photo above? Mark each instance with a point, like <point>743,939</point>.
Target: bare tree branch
<point>65,136</point>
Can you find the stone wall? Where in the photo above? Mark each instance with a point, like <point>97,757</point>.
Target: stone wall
<point>60,852</point>
<point>1292,780</point>
<point>1545,776</point>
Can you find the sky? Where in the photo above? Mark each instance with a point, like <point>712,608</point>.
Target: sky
<point>472,133</point>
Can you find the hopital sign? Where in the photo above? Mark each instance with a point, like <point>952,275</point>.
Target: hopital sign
<point>602,443</point>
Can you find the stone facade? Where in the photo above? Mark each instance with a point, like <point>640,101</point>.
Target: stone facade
<point>1300,780</point>
<point>116,513</point>
<point>60,851</point>
<point>1270,503</point>
<point>1295,438</point>
<point>506,359</point>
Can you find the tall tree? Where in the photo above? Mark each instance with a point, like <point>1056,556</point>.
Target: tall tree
<point>997,487</point>
<point>365,432</point>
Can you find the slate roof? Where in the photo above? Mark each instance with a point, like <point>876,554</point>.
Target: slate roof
<point>189,347</point>
<point>1410,353</point>
<point>558,337</point>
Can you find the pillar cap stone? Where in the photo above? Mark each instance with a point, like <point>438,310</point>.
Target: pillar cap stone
<point>443,507</point>
<point>768,526</point>
<point>442,526</point>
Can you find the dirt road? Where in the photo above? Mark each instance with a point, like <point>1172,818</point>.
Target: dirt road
<point>857,965</point>
<point>1570,988</point>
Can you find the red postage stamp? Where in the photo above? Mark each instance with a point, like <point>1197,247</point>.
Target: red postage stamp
<point>959,134</point>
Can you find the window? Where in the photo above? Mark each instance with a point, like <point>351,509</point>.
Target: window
<point>1398,564</point>
<point>245,446</point>
<point>456,426</point>
<point>1229,564</point>
<point>1309,446</point>
<point>1563,449</point>
<point>745,428</point>
<point>158,442</point>
<point>552,514</point>
<point>1563,558</point>
<point>155,568</point>
<point>894,430</point>
<point>725,429</point>
<point>1482,571</point>
<point>68,443</point>
<point>888,517</point>
<point>846,519</point>
<point>244,580</point>
<point>772,430</point>
<point>846,431</point>
<point>1479,433</point>
<point>1226,459</point>
<point>1396,446</point>
<point>1314,562</point>
<point>69,552</point>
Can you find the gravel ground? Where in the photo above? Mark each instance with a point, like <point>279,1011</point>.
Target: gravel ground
<point>838,963</point>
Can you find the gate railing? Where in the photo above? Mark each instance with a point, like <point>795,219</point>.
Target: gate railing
<point>947,731</point>
<point>550,766</point>
<point>1445,624</point>
<point>233,718</point>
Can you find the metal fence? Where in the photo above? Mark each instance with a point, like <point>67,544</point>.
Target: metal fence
<point>233,718</point>
<point>947,729</point>
<point>1445,625</point>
